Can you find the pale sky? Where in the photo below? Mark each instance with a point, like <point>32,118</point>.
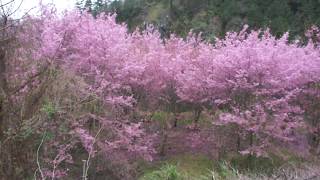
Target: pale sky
<point>26,5</point>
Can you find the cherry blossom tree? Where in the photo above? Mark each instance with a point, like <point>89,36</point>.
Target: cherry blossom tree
<point>261,84</point>
<point>256,79</point>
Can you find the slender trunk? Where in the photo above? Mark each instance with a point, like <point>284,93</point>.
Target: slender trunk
<point>251,139</point>
<point>1,116</point>
<point>3,85</point>
<point>197,114</point>
<point>164,135</point>
<point>250,157</point>
<point>175,114</point>
<point>223,27</point>
<point>171,9</point>
<point>208,12</point>
<point>238,143</point>
<point>175,123</point>
<point>163,143</point>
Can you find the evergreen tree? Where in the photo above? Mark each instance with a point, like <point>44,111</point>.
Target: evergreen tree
<point>214,17</point>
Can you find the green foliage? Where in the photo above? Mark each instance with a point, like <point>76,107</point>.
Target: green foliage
<point>166,172</point>
<point>192,166</point>
<point>159,116</point>
<point>214,17</point>
<point>188,167</point>
<point>162,119</point>
<point>225,170</point>
<point>172,172</point>
<point>49,109</point>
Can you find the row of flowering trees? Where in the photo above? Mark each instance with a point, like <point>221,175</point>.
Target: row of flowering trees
<point>255,79</point>
<point>263,85</point>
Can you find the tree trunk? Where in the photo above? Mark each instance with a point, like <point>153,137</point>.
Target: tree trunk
<point>175,115</point>
<point>171,9</point>
<point>175,123</point>
<point>250,157</point>
<point>163,143</point>
<point>238,143</point>
<point>197,114</point>
<point>3,85</point>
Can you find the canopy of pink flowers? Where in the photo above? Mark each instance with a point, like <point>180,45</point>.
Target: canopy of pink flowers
<point>252,77</point>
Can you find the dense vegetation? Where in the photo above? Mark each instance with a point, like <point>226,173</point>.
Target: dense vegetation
<point>213,17</point>
<point>84,98</point>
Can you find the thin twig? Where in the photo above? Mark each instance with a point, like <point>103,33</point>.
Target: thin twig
<point>2,5</point>
<point>25,14</point>
<point>54,171</point>
<point>84,177</point>
<point>38,162</point>
<point>35,174</point>
<point>4,15</point>
<point>90,153</point>
<point>21,2</point>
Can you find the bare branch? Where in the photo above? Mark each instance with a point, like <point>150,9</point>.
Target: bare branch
<point>2,5</point>
<point>25,14</point>
<point>38,162</point>
<point>16,9</point>
<point>87,165</point>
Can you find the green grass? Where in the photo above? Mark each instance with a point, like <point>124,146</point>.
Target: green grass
<point>166,172</point>
<point>187,167</point>
<point>200,167</point>
<point>193,165</point>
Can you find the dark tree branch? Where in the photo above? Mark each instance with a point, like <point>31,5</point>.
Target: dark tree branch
<point>2,5</point>
<point>16,9</point>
